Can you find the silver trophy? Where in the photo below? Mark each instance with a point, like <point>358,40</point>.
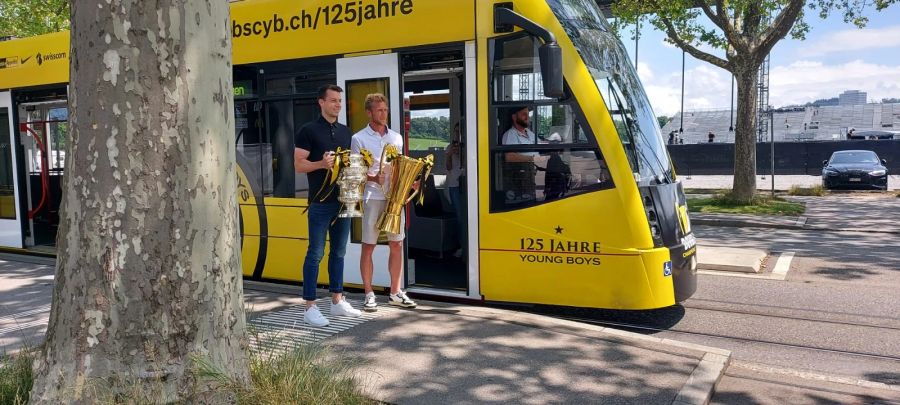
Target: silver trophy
<point>351,180</point>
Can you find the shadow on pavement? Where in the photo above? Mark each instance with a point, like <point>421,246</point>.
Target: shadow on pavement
<point>433,357</point>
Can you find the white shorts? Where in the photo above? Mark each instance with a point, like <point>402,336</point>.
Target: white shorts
<point>371,211</point>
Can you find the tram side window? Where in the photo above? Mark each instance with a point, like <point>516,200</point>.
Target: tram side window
<point>58,135</point>
<point>7,189</point>
<point>249,145</point>
<point>541,150</point>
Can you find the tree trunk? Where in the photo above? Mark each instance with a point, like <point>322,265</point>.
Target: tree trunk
<point>744,186</point>
<point>148,272</point>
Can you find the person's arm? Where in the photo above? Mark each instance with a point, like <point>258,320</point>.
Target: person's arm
<point>302,164</point>
<point>518,157</point>
<point>509,139</point>
<point>449,161</point>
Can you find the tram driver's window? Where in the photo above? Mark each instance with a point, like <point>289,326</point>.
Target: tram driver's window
<point>541,149</point>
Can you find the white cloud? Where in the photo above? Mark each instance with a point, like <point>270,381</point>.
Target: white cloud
<point>704,87</point>
<point>644,72</point>
<point>708,87</point>
<point>805,81</point>
<point>853,40</point>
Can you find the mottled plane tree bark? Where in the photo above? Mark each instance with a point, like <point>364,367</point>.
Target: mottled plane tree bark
<point>746,30</point>
<point>148,271</point>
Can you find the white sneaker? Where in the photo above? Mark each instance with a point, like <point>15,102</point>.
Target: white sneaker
<point>314,317</point>
<point>401,300</point>
<point>369,304</point>
<point>344,308</point>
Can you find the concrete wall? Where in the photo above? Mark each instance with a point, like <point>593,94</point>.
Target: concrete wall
<point>790,157</point>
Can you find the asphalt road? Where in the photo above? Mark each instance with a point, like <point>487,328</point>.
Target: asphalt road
<point>828,333</point>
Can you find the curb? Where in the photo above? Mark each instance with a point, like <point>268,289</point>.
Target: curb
<point>740,223</point>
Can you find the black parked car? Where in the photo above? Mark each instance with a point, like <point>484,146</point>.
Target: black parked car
<point>855,169</point>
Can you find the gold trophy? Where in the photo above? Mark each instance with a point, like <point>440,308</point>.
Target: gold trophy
<point>404,173</point>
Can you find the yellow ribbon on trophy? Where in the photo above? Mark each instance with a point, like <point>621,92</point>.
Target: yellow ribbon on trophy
<point>429,163</point>
<point>388,154</point>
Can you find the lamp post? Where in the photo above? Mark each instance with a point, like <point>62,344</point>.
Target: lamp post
<point>772,146</point>
<point>681,125</point>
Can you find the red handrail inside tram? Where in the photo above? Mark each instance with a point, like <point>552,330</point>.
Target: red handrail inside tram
<point>45,170</point>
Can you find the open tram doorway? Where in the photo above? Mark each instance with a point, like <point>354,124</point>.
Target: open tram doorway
<point>44,135</point>
<point>434,101</point>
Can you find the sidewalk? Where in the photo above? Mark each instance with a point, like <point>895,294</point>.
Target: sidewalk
<point>442,353</point>
<point>461,354</point>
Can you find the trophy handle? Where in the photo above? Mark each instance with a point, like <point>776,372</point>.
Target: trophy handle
<point>414,194</point>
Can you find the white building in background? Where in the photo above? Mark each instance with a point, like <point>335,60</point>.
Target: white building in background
<point>852,97</point>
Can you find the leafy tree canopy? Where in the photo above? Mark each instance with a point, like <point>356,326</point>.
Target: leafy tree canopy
<point>745,29</point>
<point>26,18</point>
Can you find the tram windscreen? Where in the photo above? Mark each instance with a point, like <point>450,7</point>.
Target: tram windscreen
<point>620,87</point>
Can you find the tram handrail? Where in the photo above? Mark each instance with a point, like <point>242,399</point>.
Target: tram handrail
<point>45,173</point>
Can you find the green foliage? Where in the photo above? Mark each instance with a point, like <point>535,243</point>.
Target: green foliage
<point>430,128</point>
<point>663,120</point>
<point>816,190</point>
<point>425,143</point>
<point>759,205</point>
<point>16,377</point>
<point>26,18</point>
<point>738,24</point>
<point>307,375</point>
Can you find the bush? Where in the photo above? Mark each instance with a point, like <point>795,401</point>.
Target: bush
<point>816,190</point>
<point>305,375</point>
<point>16,377</point>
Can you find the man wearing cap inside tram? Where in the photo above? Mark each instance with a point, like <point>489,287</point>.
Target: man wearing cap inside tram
<point>519,167</point>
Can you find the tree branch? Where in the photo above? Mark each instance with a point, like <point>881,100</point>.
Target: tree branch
<point>673,35</point>
<point>721,18</point>
<point>782,25</point>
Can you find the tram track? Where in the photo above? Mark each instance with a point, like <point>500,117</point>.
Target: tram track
<point>645,328</point>
<point>660,322</point>
<point>869,324</point>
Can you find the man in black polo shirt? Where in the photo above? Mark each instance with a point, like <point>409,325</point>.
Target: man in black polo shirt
<point>315,145</point>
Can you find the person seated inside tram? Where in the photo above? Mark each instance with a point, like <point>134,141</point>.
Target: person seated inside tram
<point>558,174</point>
<point>519,167</point>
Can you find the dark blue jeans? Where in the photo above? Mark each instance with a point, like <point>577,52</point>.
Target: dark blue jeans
<point>321,216</point>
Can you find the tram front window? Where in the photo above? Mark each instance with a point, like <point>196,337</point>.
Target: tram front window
<point>618,83</point>
<point>541,149</point>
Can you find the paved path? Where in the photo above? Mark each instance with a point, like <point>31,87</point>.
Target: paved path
<point>444,353</point>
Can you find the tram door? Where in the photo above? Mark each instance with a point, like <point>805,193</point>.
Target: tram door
<point>360,76</point>
<point>10,217</point>
<point>43,128</point>
<point>434,90</point>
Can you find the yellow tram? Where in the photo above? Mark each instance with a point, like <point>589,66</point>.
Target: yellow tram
<point>590,214</point>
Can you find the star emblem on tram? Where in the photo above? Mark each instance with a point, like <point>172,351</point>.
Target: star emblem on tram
<point>559,230</point>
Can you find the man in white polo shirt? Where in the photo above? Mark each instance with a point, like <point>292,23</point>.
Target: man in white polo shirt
<point>374,137</point>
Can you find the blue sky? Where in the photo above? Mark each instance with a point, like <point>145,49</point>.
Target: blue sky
<point>834,57</point>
